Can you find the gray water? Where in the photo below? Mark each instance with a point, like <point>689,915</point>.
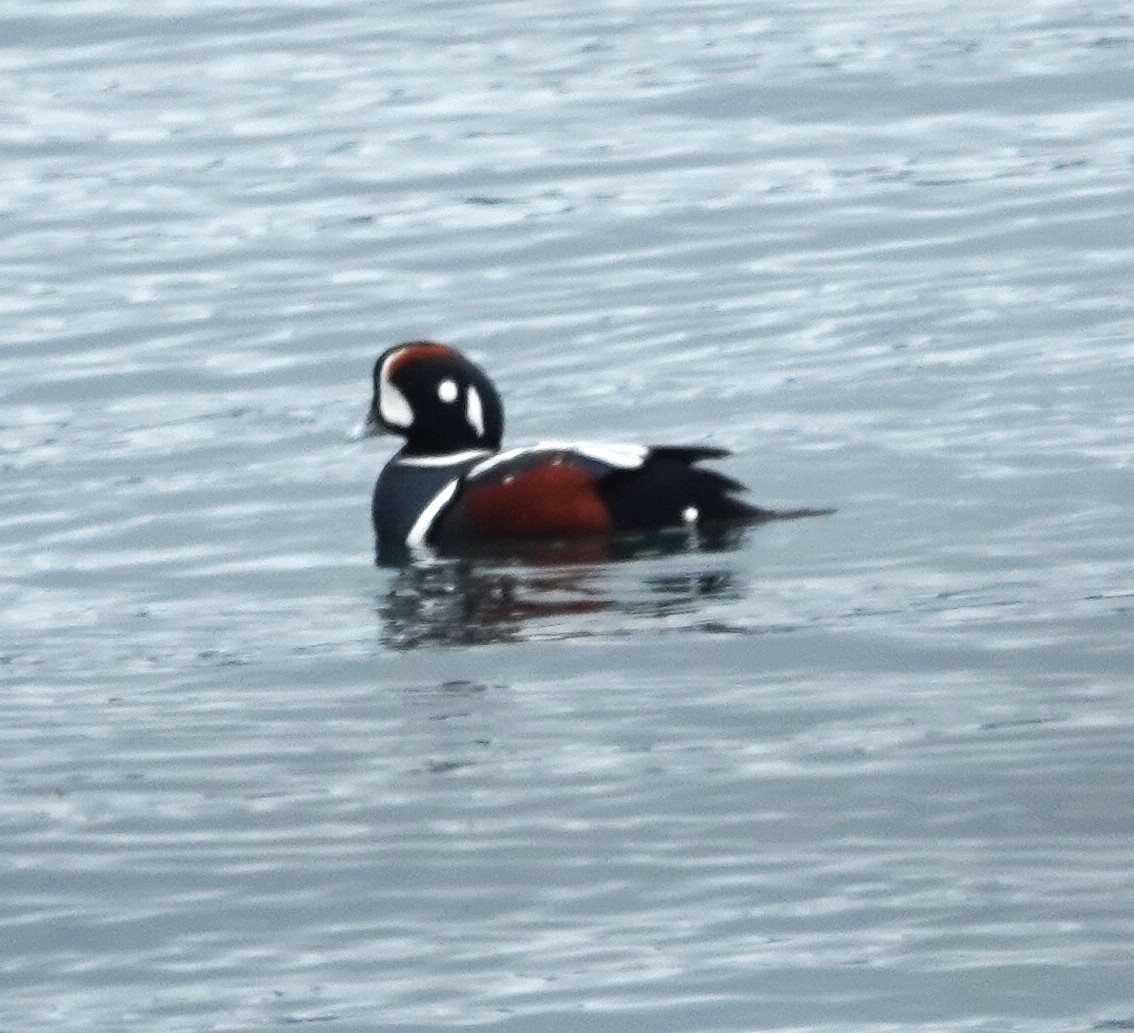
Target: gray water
<point>866,773</point>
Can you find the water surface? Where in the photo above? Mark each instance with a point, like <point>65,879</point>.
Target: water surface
<point>863,773</point>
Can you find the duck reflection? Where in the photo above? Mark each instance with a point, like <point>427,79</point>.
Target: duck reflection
<point>568,589</point>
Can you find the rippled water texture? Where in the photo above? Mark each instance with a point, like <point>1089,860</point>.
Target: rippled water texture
<point>865,773</point>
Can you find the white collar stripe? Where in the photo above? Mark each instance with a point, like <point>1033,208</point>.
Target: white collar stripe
<point>448,459</point>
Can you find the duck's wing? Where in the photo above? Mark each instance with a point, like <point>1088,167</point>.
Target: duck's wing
<point>546,491</point>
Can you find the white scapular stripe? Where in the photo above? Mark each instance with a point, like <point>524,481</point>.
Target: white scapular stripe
<point>628,457</point>
<point>424,522</point>
<point>392,403</point>
<point>625,457</point>
<point>496,460</point>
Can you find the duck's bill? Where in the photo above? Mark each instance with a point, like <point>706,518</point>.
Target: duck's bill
<point>368,428</point>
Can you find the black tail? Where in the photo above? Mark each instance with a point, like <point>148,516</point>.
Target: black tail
<point>788,514</point>
<point>669,490</point>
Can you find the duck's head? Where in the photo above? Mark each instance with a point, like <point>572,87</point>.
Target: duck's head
<point>435,398</point>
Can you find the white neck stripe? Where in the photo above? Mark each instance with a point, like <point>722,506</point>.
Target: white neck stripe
<point>474,411</point>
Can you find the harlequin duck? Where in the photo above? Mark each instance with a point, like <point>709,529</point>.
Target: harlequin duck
<point>451,484</point>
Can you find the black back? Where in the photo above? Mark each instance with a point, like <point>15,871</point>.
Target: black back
<point>667,485</point>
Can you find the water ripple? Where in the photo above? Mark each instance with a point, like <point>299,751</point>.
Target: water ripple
<point>868,772</point>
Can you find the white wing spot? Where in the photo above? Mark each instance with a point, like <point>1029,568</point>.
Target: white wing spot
<point>690,514</point>
<point>447,391</point>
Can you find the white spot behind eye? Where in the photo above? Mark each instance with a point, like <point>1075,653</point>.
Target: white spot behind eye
<point>474,412</point>
<point>392,404</point>
<point>447,391</point>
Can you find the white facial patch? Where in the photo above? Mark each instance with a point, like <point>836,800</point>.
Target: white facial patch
<point>447,391</point>
<point>392,404</point>
<point>474,411</point>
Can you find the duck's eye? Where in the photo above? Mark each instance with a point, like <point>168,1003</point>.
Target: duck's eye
<point>447,391</point>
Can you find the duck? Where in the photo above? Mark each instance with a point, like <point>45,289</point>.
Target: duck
<point>452,484</point>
